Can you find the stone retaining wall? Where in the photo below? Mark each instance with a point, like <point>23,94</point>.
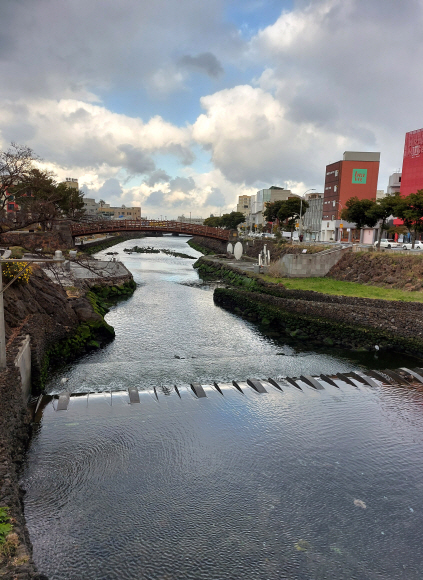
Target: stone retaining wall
<point>319,323</point>
<point>47,241</point>
<point>15,430</point>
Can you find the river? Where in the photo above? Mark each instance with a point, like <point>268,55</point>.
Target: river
<point>293,484</point>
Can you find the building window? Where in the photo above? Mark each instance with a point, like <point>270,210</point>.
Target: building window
<point>399,179</point>
<point>336,172</point>
<point>335,188</point>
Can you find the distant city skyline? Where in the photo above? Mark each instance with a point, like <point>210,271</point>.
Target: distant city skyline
<point>182,106</point>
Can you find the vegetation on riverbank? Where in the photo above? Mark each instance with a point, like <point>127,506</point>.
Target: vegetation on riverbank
<point>382,269</point>
<point>90,334</point>
<point>274,286</point>
<point>342,288</point>
<point>103,245</point>
<point>103,297</point>
<point>151,250</point>
<point>205,251</point>
<point>214,270</point>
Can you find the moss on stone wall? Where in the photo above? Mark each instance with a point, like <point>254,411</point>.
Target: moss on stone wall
<point>88,335</point>
<point>103,245</point>
<point>309,330</point>
<point>200,248</point>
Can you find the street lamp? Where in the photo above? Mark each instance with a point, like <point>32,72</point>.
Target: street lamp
<point>301,209</point>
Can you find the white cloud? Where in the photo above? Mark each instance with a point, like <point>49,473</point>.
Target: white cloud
<point>337,75</point>
<point>252,140</point>
<point>86,136</point>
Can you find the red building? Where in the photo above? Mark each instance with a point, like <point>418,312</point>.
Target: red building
<point>412,165</point>
<point>355,176</point>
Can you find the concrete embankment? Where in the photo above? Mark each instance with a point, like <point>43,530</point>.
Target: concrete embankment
<point>318,319</point>
<point>93,246</point>
<point>57,327</point>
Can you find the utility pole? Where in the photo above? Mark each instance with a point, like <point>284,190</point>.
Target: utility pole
<point>28,261</point>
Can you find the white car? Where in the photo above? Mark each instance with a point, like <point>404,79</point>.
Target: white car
<point>417,246</point>
<point>384,243</point>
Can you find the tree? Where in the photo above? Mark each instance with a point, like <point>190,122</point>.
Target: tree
<point>42,200</point>
<point>410,210</point>
<point>290,211</point>
<point>359,211</point>
<point>213,221</point>
<point>231,221</point>
<point>271,210</point>
<point>382,210</point>
<point>71,201</point>
<point>16,164</point>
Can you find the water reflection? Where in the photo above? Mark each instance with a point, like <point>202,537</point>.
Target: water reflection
<point>230,487</point>
<point>170,332</point>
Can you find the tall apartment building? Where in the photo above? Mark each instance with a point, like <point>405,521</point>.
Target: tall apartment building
<point>355,176</point>
<point>258,201</point>
<point>244,204</point>
<point>71,182</point>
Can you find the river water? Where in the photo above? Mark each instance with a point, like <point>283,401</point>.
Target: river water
<point>287,484</point>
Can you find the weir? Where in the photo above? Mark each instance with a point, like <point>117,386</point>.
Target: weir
<point>252,479</point>
<point>196,447</point>
<point>65,401</point>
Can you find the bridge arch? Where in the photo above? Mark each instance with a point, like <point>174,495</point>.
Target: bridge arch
<point>148,226</point>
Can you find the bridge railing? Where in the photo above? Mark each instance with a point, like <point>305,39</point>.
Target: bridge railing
<point>106,226</point>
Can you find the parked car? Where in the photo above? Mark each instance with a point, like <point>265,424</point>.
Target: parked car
<point>384,243</point>
<point>417,246</point>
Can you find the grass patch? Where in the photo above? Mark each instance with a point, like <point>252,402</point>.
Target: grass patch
<point>341,288</point>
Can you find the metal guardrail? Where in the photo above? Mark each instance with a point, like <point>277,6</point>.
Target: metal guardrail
<point>171,227</point>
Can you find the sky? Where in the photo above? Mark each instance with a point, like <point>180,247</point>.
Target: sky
<point>181,106</point>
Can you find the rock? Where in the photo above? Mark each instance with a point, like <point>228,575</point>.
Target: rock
<point>87,315</point>
<point>360,503</point>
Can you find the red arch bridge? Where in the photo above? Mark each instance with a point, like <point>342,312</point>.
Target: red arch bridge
<point>149,226</point>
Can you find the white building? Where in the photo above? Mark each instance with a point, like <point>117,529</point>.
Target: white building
<point>394,183</point>
<point>189,220</point>
<point>244,204</point>
<point>258,201</point>
<point>91,206</point>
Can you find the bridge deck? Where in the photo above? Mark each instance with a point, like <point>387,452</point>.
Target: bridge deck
<point>170,227</point>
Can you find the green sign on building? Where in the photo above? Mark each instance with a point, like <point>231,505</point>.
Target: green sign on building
<point>359,176</point>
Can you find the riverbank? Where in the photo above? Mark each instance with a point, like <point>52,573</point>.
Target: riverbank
<point>400,271</point>
<point>93,247</point>
<point>60,327</point>
<point>314,318</point>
